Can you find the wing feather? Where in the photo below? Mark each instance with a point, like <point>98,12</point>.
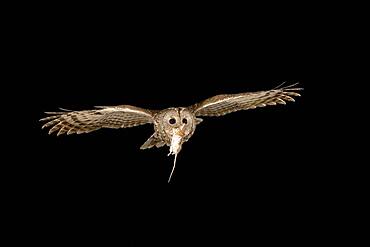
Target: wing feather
<point>226,103</point>
<point>78,122</point>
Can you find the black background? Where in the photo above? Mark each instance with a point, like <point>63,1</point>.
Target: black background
<point>249,175</point>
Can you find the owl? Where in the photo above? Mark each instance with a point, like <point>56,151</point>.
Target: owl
<point>172,126</point>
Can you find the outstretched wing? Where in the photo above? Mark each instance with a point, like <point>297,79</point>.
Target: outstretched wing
<point>226,103</point>
<point>70,122</point>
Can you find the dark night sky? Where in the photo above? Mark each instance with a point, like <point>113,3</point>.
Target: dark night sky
<point>253,166</point>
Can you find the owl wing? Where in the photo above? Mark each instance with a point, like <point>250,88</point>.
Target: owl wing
<point>226,103</point>
<point>122,116</point>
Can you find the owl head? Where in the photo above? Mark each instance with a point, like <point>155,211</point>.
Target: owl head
<point>177,121</point>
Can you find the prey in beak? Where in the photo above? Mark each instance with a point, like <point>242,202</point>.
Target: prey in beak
<point>176,143</point>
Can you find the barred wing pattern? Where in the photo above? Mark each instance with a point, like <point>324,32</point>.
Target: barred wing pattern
<point>77,122</point>
<point>226,103</point>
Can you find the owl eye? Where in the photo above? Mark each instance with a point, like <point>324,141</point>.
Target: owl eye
<point>184,120</point>
<point>172,121</point>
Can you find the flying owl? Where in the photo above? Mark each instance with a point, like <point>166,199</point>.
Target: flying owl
<point>172,126</point>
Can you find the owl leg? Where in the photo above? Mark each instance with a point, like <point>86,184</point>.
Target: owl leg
<point>152,141</point>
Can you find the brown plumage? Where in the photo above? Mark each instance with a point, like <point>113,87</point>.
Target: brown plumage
<point>77,122</point>
<point>173,126</point>
<point>226,103</point>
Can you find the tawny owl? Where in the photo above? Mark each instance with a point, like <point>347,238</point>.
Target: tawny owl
<point>172,126</point>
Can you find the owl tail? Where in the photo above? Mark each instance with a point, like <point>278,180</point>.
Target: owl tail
<point>173,168</point>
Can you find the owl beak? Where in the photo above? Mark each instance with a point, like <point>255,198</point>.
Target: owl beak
<point>180,132</point>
